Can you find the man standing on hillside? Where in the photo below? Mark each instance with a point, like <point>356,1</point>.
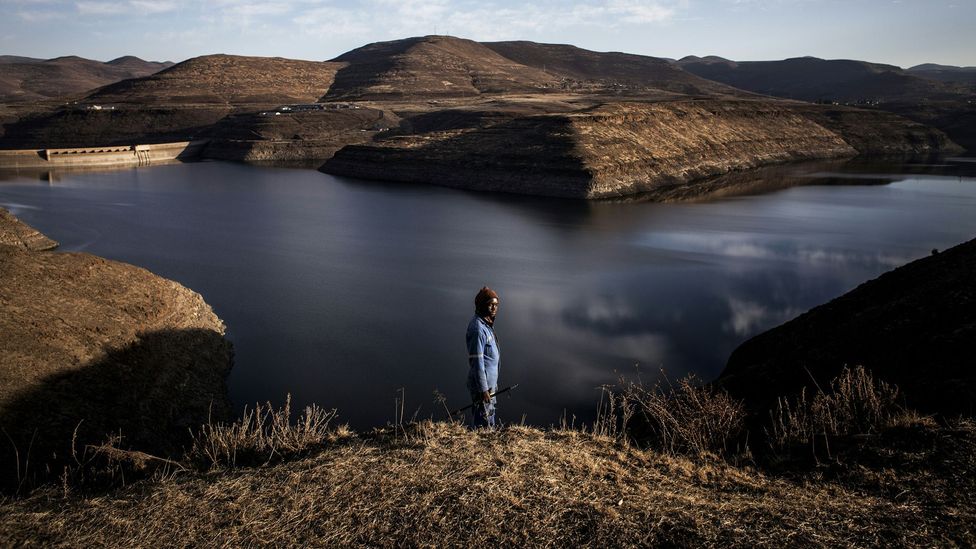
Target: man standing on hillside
<point>483,358</point>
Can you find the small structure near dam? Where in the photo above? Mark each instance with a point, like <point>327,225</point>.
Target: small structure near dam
<point>118,155</point>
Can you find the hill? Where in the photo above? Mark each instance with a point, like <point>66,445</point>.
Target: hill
<point>429,90</point>
<point>225,80</point>
<point>707,60</point>
<point>92,347</point>
<point>185,101</point>
<point>432,67</point>
<point>663,149</point>
<point>26,79</point>
<point>813,79</point>
<point>612,71</point>
<point>945,73</point>
<point>5,59</point>
<point>948,106</point>
<point>914,326</point>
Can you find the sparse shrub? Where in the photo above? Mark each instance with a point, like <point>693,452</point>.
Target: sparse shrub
<point>856,404</point>
<point>263,434</point>
<point>687,418</point>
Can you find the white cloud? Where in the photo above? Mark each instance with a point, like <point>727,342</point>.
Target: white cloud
<point>153,6</point>
<point>333,22</point>
<point>248,9</point>
<point>33,16</point>
<point>765,247</point>
<point>478,21</point>
<point>640,12</point>
<point>97,8</point>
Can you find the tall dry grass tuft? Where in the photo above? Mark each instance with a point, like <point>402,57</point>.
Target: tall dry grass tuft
<point>686,418</point>
<point>262,435</point>
<point>855,404</point>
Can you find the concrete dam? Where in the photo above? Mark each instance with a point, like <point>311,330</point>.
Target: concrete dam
<point>119,155</point>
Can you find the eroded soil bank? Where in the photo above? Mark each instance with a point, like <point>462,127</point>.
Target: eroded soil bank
<point>93,347</point>
<point>624,148</point>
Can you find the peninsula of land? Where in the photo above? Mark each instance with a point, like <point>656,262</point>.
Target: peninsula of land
<point>92,348</point>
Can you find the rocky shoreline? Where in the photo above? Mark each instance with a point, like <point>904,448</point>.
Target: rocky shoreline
<point>14,232</point>
<point>625,148</point>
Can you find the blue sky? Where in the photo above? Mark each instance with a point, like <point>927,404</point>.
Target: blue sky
<point>900,32</point>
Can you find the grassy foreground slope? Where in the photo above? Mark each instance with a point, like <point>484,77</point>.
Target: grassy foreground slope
<point>440,484</point>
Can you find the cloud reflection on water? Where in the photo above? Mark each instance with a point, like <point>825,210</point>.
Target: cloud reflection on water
<point>768,247</point>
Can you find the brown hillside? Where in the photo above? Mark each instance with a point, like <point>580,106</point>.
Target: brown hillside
<point>79,127</point>
<point>914,326</point>
<point>610,150</point>
<point>91,347</point>
<point>226,79</point>
<point>133,63</point>
<point>948,106</point>
<point>612,71</point>
<point>295,135</point>
<point>430,67</point>
<point>34,80</point>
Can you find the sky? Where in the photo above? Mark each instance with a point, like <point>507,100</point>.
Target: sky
<point>898,32</point>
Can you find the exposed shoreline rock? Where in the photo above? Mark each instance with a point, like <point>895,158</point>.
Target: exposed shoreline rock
<point>618,149</point>
<point>914,326</point>
<point>93,347</point>
<point>14,232</point>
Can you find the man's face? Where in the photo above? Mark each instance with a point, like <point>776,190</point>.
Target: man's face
<point>493,307</point>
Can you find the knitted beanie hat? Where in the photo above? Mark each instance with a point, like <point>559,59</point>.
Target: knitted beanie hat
<point>481,300</point>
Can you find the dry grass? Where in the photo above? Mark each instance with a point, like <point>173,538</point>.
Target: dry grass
<point>268,480</point>
<point>686,418</point>
<point>444,485</point>
<point>261,435</point>
<point>854,404</point>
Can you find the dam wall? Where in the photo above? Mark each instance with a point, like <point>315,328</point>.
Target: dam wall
<point>118,155</point>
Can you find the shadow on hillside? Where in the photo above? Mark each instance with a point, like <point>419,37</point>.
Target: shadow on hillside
<point>83,128</point>
<point>534,155</point>
<point>914,327</point>
<point>150,392</point>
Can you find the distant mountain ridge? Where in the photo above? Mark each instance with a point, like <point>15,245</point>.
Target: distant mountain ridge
<point>428,67</point>
<point>5,59</point>
<point>25,79</point>
<point>945,73</point>
<point>610,68</point>
<point>814,79</point>
<point>459,93</point>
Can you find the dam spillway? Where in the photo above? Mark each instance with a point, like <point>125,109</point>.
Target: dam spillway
<point>117,155</point>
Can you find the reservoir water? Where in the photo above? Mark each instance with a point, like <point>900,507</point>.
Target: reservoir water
<point>341,292</point>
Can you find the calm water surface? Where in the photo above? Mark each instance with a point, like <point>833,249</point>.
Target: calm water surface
<point>341,292</point>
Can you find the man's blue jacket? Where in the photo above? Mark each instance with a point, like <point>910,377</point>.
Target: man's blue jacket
<point>483,357</point>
